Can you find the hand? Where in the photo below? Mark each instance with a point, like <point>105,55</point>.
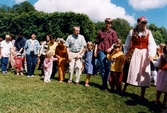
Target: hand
<point>108,50</point>
<point>150,58</point>
<point>77,57</point>
<point>95,54</point>
<point>69,59</point>
<point>58,56</point>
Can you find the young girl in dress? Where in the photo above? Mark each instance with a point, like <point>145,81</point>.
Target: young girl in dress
<point>88,62</point>
<point>48,64</point>
<point>18,64</point>
<point>161,85</point>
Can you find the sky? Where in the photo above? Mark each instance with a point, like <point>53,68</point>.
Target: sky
<point>97,10</point>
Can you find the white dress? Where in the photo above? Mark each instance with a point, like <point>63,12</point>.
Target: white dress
<point>139,69</point>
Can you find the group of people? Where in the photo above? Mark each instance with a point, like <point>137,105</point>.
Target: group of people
<point>129,63</point>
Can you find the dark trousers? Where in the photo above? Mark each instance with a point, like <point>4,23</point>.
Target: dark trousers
<point>114,80</point>
<point>40,67</point>
<point>54,69</point>
<point>31,60</point>
<point>4,63</point>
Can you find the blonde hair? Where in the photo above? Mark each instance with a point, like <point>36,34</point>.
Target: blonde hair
<point>48,54</point>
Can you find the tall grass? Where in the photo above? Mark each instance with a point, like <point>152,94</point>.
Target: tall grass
<point>20,94</point>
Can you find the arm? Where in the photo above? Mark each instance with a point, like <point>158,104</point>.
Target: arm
<point>95,50</point>
<point>151,46</point>
<point>127,42</point>
<point>22,45</point>
<point>156,63</point>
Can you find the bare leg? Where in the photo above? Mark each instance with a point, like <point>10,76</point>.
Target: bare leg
<point>124,88</point>
<point>165,99</point>
<point>158,96</point>
<point>143,89</point>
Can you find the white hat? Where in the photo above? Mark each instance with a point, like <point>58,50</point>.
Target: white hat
<point>18,54</point>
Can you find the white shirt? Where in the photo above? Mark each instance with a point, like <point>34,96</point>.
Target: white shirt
<point>32,45</point>
<point>6,48</point>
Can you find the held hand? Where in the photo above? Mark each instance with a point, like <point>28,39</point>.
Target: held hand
<point>58,56</point>
<point>77,57</point>
<point>95,54</point>
<point>108,50</point>
<point>69,59</point>
<point>150,58</point>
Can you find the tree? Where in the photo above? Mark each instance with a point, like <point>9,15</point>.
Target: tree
<point>23,7</point>
<point>122,27</point>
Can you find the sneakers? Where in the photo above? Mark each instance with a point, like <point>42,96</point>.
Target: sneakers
<point>32,75</point>
<point>3,72</point>
<point>21,73</point>
<point>47,81</point>
<point>17,74</point>
<point>28,75</point>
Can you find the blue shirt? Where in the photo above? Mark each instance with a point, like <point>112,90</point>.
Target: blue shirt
<point>75,43</point>
<point>28,45</point>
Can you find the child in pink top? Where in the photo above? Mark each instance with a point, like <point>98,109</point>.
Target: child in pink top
<point>18,63</point>
<point>48,64</point>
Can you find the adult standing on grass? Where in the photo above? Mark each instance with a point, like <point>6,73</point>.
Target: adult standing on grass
<point>75,46</point>
<point>142,51</point>
<point>42,53</point>
<point>104,40</point>
<point>31,48</point>
<point>20,43</point>
<point>52,47</point>
<point>5,48</point>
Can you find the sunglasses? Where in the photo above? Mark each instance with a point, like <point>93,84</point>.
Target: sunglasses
<point>115,47</point>
<point>143,22</point>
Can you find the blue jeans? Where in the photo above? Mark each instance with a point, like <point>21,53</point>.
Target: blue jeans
<point>105,68</point>
<point>4,63</point>
<point>31,60</point>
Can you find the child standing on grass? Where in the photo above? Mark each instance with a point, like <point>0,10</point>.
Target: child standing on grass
<point>5,48</point>
<point>161,85</point>
<point>18,64</point>
<point>88,62</point>
<point>48,65</point>
<point>116,68</point>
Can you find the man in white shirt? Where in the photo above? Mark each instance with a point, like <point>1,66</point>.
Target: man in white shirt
<point>6,46</point>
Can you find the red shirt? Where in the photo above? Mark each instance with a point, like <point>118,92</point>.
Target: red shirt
<point>104,40</point>
<point>18,62</point>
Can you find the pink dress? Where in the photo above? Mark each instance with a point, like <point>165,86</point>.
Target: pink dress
<point>48,63</point>
<point>162,74</point>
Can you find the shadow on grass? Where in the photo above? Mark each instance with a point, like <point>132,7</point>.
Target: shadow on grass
<point>136,100</point>
<point>91,84</point>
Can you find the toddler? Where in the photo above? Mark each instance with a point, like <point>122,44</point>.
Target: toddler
<point>18,64</point>
<point>48,65</point>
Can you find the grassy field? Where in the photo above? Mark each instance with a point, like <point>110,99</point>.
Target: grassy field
<point>20,94</point>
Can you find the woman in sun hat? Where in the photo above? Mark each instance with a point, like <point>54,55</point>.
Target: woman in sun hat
<point>138,55</point>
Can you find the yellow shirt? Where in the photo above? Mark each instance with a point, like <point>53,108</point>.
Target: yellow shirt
<point>117,61</point>
<point>52,47</point>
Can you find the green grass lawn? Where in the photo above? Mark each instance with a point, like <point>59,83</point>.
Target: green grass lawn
<point>20,94</point>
